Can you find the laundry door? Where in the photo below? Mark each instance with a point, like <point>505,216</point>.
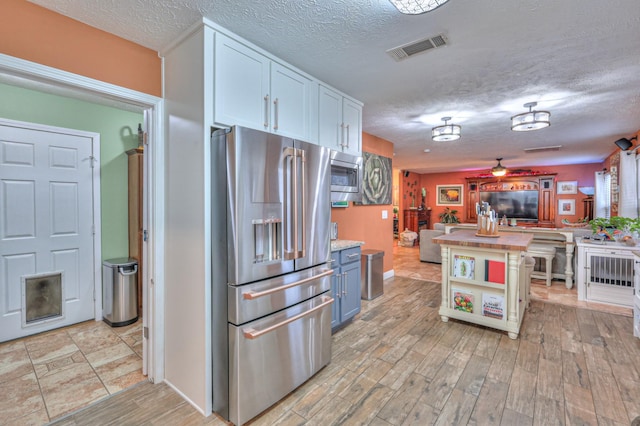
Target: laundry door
<point>46,235</point>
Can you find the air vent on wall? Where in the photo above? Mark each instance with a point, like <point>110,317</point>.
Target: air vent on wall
<point>543,149</point>
<point>403,52</point>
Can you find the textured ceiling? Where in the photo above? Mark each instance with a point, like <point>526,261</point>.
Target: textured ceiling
<point>579,59</point>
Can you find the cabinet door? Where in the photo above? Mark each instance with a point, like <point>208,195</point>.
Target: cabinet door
<point>289,102</point>
<point>336,293</point>
<point>329,118</point>
<point>350,302</point>
<point>241,94</point>
<point>352,119</point>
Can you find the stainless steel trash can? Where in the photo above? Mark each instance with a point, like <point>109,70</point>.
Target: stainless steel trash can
<point>371,276</point>
<point>120,291</point>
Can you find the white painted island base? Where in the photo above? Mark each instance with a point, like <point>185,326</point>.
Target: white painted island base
<point>484,280</point>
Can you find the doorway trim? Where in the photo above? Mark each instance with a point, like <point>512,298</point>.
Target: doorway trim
<point>29,73</point>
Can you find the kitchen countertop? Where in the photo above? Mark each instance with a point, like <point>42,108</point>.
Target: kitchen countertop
<point>505,241</point>
<point>337,245</point>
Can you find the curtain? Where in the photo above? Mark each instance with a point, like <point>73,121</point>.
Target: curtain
<point>602,196</point>
<point>628,186</point>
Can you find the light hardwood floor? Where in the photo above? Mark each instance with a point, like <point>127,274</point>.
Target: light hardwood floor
<point>399,364</point>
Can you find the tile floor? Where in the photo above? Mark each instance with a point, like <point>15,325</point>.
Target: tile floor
<point>398,364</point>
<point>48,375</point>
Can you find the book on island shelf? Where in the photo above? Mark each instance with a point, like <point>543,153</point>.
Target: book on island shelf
<point>464,266</point>
<point>494,271</point>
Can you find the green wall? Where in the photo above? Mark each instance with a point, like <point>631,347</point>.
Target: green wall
<point>118,133</point>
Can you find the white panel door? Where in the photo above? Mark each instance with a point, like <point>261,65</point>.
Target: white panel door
<point>46,220</point>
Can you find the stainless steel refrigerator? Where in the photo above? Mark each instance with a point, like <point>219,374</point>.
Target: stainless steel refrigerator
<point>271,303</point>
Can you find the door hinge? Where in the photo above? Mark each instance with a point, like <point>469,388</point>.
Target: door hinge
<point>145,332</point>
<point>93,230</point>
<point>92,161</point>
<point>145,235</point>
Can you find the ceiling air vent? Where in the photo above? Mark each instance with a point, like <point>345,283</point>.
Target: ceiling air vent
<point>403,52</point>
<point>543,149</point>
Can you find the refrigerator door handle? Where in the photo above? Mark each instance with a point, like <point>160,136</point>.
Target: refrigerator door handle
<point>289,168</point>
<point>252,333</point>
<point>303,196</point>
<point>250,295</point>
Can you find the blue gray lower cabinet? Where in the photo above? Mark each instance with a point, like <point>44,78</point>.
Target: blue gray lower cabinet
<point>345,285</point>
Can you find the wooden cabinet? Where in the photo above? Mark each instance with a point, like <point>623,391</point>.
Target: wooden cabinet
<point>339,121</point>
<point>253,91</point>
<point>484,280</point>
<point>345,285</point>
<point>544,185</point>
<point>416,220</point>
<point>135,186</point>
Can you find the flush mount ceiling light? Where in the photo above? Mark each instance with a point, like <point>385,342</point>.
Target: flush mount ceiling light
<point>531,120</point>
<point>499,170</point>
<point>446,132</point>
<point>416,7</point>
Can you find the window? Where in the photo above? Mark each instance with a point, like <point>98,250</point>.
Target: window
<point>603,194</point>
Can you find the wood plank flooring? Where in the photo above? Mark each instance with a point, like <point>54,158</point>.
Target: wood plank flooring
<point>399,364</point>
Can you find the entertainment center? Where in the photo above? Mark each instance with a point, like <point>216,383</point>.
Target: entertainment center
<point>528,198</point>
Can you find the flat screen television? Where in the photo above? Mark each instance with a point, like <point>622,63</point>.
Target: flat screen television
<point>513,204</point>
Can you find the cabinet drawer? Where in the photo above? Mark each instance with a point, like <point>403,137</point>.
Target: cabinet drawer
<point>350,255</point>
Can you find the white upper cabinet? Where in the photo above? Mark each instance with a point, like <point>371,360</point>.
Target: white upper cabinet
<point>339,121</point>
<point>241,85</point>
<point>253,91</point>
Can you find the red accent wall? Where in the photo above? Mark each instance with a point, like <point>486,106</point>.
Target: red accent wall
<point>582,173</point>
<point>36,34</point>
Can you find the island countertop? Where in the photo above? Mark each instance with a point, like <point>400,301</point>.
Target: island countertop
<point>504,241</point>
<point>337,245</point>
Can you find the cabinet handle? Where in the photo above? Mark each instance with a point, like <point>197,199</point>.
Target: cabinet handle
<point>347,136</point>
<point>351,256</point>
<point>344,284</point>
<point>341,142</point>
<point>275,114</point>
<point>266,110</point>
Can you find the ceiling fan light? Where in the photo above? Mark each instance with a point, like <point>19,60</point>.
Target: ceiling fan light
<point>499,170</point>
<point>530,120</point>
<point>446,132</point>
<point>416,7</point>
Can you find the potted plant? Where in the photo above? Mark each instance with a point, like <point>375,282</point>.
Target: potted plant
<point>614,225</point>
<point>449,216</point>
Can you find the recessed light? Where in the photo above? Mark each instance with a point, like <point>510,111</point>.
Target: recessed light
<point>427,150</point>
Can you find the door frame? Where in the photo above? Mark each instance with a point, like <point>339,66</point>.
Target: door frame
<point>30,74</point>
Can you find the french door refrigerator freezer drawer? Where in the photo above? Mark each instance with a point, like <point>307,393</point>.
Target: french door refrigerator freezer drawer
<point>270,357</point>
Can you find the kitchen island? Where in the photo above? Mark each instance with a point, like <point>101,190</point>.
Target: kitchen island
<point>484,280</point>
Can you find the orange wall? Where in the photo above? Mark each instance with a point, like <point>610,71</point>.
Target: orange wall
<point>583,173</point>
<point>36,34</point>
<point>365,223</point>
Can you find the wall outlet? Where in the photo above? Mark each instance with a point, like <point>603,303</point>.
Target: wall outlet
<point>385,214</point>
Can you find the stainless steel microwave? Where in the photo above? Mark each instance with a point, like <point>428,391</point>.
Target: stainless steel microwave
<point>346,177</point>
